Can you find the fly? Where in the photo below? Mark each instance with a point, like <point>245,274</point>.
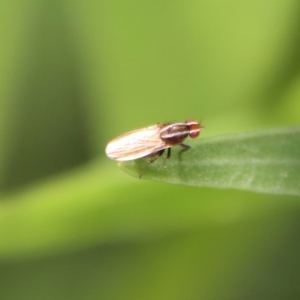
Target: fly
<point>152,141</point>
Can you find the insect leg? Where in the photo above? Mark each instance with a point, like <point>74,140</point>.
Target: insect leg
<point>169,153</point>
<point>184,148</point>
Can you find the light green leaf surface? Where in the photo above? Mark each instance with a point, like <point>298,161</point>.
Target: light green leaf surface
<point>266,161</point>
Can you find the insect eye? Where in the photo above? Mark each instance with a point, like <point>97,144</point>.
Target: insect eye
<point>194,128</point>
<point>194,132</point>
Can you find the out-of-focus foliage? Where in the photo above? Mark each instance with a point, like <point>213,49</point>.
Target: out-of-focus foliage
<point>75,74</point>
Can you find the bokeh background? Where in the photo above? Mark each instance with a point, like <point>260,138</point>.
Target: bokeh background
<point>75,74</point>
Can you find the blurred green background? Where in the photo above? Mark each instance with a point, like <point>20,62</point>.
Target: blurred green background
<point>75,74</point>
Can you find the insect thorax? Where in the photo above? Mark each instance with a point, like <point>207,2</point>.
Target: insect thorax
<point>174,133</point>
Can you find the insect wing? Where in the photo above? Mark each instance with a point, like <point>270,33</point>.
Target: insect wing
<point>136,144</point>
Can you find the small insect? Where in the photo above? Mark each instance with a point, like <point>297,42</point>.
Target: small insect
<point>152,141</point>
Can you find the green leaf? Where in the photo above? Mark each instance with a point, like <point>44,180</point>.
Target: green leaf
<point>266,161</point>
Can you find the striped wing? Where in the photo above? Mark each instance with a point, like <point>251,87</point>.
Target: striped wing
<point>136,144</point>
